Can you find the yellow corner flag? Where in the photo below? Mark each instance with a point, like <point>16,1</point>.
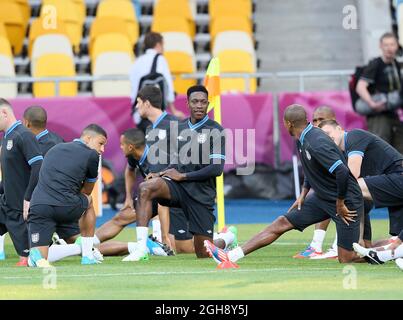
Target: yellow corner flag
<point>97,192</point>
<point>212,83</point>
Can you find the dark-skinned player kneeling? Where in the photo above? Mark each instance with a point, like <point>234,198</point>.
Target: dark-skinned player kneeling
<point>190,183</point>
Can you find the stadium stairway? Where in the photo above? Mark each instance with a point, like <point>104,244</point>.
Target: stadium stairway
<point>305,35</point>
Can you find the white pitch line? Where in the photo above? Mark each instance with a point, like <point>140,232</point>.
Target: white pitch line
<point>153,273</point>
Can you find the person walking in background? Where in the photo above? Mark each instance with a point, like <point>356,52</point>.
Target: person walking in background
<point>152,69</point>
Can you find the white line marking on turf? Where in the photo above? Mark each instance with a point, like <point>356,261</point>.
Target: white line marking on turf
<point>153,273</point>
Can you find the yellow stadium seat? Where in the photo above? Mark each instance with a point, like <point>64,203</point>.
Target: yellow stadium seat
<point>39,28</point>
<point>5,47</point>
<point>124,10</point>
<point>221,24</point>
<point>179,63</point>
<point>175,9</point>
<point>3,31</point>
<point>111,42</point>
<point>237,61</point>
<point>12,18</point>
<point>66,11</point>
<point>103,25</point>
<point>232,8</point>
<point>171,24</point>
<point>81,9</point>
<point>54,65</point>
<point>230,40</point>
<point>25,8</point>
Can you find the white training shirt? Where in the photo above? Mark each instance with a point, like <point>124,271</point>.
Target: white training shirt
<point>142,66</point>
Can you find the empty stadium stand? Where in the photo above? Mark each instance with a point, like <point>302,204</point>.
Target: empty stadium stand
<point>92,37</point>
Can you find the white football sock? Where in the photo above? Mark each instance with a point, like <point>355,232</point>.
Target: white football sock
<point>236,254</point>
<point>156,224</point>
<point>2,242</point>
<point>58,252</point>
<point>142,235</point>
<point>87,244</point>
<point>387,254</point>
<point>131,246</point>
<point>228,237</point>
<point>96,241</point>
<point>317,241</point>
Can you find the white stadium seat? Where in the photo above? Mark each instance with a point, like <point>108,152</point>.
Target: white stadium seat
<point>112,63</point>
<point>7,90</point>
<point>179,41</point>
<point>49,44</point>
<point>229,40</point>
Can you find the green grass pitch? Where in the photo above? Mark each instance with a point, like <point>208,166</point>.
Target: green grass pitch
<point>270,273</point>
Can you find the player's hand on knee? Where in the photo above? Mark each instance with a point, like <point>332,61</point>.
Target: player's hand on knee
<point>345,214</point>
<point>173,174</point>
<point>152,175</point>
<point>297,204</point>
<point>128,204</point>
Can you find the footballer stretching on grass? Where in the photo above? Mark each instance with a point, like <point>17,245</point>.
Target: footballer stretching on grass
<point>337,194</point>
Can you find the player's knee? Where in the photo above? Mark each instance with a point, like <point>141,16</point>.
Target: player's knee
<point>282,224</point>
<point>346,257</point>
<point>124,218</point>
<point>145,190</point>
<point>201,253</point>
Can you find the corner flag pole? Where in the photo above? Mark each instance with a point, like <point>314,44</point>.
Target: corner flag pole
<point>97,192</point>
<point>212,83</point>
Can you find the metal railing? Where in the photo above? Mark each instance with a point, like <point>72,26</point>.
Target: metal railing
<point>300,75</point>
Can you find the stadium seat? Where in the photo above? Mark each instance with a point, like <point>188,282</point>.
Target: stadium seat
<point>69,14</point>
<point>5,47</point>
<point>54,65</point>
<point>221,24</point>
<point>103,25</point>
<point>112,63</point>
<point>178,41</point>
<point>7,90</point>
<point>12,18</point>
<point>180,63</point>
<point>229,40</point>
<point>237,61</point>
<point>3,31</point>
<point>171,24</point>
<point>111,42</point>
<point>39,28</point>
<point>124,10</point>
<point>50,43</point>
<point>25,8</point>
<point>174,9</point>
<point>230,8</point>
<point>81,9</point>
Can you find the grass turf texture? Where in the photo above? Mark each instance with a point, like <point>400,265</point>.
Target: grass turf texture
<point>269,273</point>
